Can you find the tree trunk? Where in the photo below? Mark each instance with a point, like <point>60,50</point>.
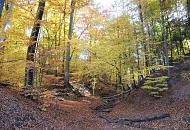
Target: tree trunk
<point>138,58</point>
<point>188,11</point>
<point>171,45</point>
<point>29,71</point>
<point>2,2</point>
<point>68,46</point>
<point>64,41</point>
<point>133,76</point>
<point>120,73</point>
<point>181,41</point>
<point>143,32</point>
<point>164,35</point>
<point>9,9</point>
<point>7,18</point>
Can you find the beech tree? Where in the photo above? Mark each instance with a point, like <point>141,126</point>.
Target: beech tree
<point>29,74</point>
<point>164,33</point>
<point>68,53</point>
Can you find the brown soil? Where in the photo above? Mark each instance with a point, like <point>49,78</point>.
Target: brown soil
<point>17,112</point>
<point>176,102</point>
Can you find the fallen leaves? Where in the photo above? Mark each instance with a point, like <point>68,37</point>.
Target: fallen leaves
<point>44,107</point>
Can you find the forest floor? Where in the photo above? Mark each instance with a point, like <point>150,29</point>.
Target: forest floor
<point>18,112</point>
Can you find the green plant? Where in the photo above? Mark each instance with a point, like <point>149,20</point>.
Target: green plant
<point>156,85</point>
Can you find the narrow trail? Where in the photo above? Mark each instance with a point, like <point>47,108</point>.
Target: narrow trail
<point>16,112</point>
<point>136,111</point>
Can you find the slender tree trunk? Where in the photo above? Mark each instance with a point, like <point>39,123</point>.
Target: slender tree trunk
<point>2,2</point>
<point>164,35</point>
<point>133,76</point>
<point>64,39</point>
<point>143,33</point>
<point>171,44</point>
<point>57,58</point>
<point>181,41</point>
<point>140,76</point>
<point>43,60</point>
<point>68,46</point>
<point>177,48</point>
<point>150,46</point>
<point>138,59</point>
<point>182,52</point>
<point>29,71</point>
<point>120,71</point>
<point>9,9</point>
<point>188,11</point>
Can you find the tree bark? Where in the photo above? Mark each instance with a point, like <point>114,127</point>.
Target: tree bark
<point>171,45</point>
<point>138,57</point>
<point>188,11</point>
<point>64,40</point>
<point>29,71</point>
<point>2,2</point>
<point>68,46</point>
<point>8,15</point>
<point>9,9</point>
<point>164,35</point>
<point>143,32</point>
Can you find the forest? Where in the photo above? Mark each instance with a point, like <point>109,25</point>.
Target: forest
<point>95,64</point>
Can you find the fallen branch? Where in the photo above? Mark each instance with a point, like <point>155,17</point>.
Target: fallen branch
<point>130,121</point>
<point>146,119</point>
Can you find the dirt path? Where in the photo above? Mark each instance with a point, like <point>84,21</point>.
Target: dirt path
<point>17,112</point>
